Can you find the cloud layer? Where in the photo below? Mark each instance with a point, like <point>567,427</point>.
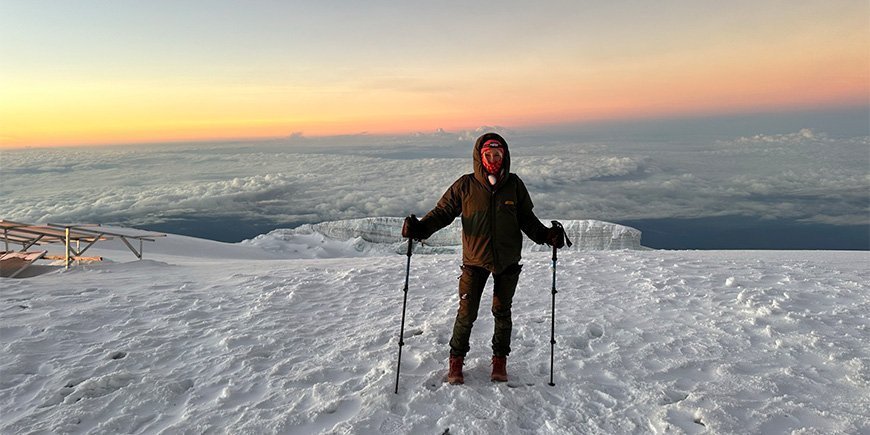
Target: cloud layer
<point>803,176</point>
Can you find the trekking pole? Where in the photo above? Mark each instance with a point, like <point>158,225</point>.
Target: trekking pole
<point>404,304</point>
<point>553,320</point>
<point>556,224</point>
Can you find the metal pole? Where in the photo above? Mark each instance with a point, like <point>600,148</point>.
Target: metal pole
<point>66,240</point>
<point>404,305</point>
<point>553,320</point>
<point>565,241</point>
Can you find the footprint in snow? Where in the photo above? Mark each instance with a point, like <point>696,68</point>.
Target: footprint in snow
<point>520,384</point>
<point>413,332</point>
<point>594,331</point>
<point>118,355</point>
<point>392,425</point>
<point>435,381</point>
<point>74,391</point>
<point>580,343</point>
<point>669,397</point>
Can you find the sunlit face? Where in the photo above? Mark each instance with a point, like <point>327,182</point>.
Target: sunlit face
<point>493,156</point>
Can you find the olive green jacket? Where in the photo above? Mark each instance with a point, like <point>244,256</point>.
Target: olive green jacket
<point>492,216</point>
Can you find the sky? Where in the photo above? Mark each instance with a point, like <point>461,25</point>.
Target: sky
<point>110,72</point>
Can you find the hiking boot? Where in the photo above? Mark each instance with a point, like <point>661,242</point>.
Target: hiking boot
<point>499,369</point>
<point>454,375</point>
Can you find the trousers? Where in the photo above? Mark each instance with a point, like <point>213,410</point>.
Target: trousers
<point>471,285</point>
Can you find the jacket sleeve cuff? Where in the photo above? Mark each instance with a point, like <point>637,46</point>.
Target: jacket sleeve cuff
<point>540,235</point>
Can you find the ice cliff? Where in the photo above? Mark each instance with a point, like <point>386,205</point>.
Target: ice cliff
<point>374,235</point>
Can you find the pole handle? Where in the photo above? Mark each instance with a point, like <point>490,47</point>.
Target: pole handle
<point>568,243</point>
<point>411,240</point>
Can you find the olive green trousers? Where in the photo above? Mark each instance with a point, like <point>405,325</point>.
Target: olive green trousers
<point>471,285</point>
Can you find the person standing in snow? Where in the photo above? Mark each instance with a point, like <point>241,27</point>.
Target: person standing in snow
<point>495,208</point>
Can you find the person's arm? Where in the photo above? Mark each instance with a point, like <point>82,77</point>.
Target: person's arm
<point>529,222</point>
<point>447,209</point>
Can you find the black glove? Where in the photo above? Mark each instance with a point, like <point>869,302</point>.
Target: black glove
<point>412,228</point>
<point>556,236</point>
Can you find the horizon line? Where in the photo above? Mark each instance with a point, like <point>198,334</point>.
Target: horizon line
<point>518,128</point>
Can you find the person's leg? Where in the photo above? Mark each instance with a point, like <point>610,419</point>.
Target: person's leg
<point>502,299</point>
<point>471,285</point>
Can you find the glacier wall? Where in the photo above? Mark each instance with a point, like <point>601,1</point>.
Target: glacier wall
<point>586,235</point>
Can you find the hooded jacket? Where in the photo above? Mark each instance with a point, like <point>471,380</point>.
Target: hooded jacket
<point>493,217</point>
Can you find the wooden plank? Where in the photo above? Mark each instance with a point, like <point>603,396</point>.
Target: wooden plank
<point>133,234</point>
<point>18,239</point>
<point>30,231</point>
<point>61,257</point>
<point>9,224</point>
<point>13,263</point>
<point>26,256</point>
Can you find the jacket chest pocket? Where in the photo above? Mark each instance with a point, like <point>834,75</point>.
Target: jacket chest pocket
<point>507,206</point>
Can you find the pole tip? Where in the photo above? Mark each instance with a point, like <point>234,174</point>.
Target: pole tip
<point>551,384</point>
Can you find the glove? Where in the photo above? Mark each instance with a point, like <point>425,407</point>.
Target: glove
<point>556,236</point>
<point>412,228</point>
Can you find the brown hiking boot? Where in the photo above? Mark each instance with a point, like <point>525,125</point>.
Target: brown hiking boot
<point>454,375</point>
<point>499,369</point>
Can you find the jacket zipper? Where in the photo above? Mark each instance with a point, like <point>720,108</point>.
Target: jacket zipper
<point>493,208</point>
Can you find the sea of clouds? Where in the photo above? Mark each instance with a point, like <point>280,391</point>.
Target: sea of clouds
<point>804,176</point>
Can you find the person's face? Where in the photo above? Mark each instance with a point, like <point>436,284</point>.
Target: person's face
<point>492,156</point>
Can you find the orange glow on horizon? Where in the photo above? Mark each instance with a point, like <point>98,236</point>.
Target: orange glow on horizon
<point>86,134</point>
<point>45,111</point>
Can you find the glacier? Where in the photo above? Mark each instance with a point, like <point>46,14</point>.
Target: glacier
<point>382,235</point>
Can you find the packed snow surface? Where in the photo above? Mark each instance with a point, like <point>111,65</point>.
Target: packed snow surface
<point>207,337</point>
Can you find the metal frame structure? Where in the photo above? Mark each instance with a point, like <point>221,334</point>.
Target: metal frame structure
<point>29,235</point>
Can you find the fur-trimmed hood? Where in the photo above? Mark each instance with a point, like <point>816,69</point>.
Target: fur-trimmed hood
<point>480,171</point>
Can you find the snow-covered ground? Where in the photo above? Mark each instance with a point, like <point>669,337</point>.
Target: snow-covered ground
<point>207,337</point>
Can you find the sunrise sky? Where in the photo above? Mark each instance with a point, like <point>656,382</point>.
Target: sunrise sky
<point>105,72</point>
